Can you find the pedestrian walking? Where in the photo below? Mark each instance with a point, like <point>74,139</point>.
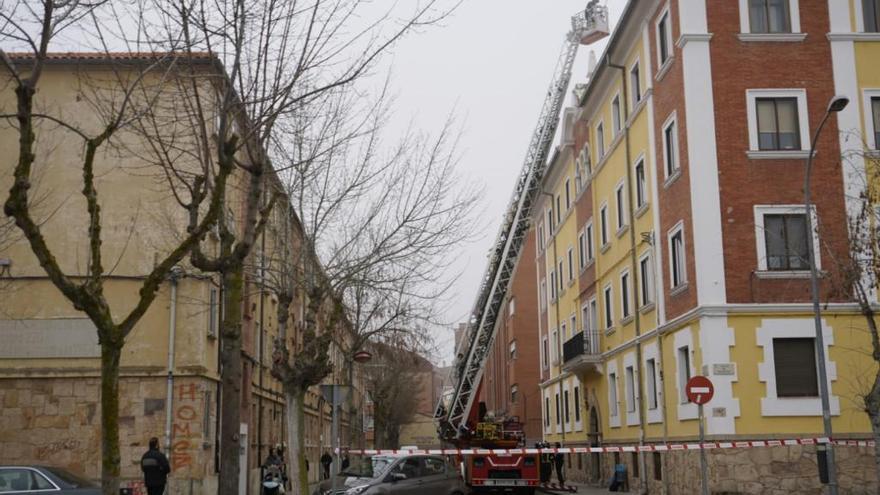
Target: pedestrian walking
<point>155,466</point>
<point>559,460</point>
<point>326,460</point>
<point>345,461</point>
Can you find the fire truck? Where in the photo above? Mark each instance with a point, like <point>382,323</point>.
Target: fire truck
<point>459,423</point>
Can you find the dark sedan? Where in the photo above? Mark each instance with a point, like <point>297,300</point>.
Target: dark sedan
<point>44,479</point>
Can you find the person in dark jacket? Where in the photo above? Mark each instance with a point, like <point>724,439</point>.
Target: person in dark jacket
<point>559,460</point>
<point>326,460</point>
<point>155,466</point>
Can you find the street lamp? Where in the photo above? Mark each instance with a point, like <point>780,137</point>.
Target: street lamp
<point>836,104</point>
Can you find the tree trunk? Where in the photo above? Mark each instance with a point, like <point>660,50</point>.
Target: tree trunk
<point>872,405</point>
<point>110,354</point>
<point>231,379</point>
<point>294,398</point>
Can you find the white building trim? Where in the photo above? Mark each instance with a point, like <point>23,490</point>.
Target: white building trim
<point>761,245</point>
<point>651,351</point>
<point>632,409</point>
<point>867,110</point>
<point>780,328</point>
<point>752,116</point>
<point>716,340</point>
<point>794,11</point>
<point>613,397</point>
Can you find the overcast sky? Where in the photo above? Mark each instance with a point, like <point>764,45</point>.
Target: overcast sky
<point>492,63</point>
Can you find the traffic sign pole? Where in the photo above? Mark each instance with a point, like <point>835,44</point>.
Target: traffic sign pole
<point>704,468</point>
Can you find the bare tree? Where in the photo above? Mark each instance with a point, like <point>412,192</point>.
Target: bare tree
<point>120,99</point>
<point>376,229</point>
<point>393,386</point>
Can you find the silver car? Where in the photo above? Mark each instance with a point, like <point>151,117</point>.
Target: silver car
<point>44,479</point>
<point>412,475</point>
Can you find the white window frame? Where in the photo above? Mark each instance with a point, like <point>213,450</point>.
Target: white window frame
<point>679,227</point>
<point>582,250</point>
<point>585,316</point>
<point>543,294</point>
<point>653,414</point>
<point>860,19</point>
<point>554,347</point>
<point>563,332</point>
<point>512,349</point>
<point>573,320</point>
<point>545,408</point>
<point>567,194</point>
<point>794,11</point>
<point>636,66</point>
<point>646,280</point>
<point>867,94</point>
<point>803,122</point>
<point>591,245</point>
<point>670,172</point>
<point>670,47</point>
<point>631,388</point>
<point>545,352</point>
<point>781,328</point>
<point>616,116</point>
<point>558,412</point>
<point>613,398</point>
<point>608,306</point>
<point>626,308</point>
<point>539,235</point>
<point>600,141</point>
<point>620,204</point>
<point>594,316</point>
<point>641,187</point>
<point>604,235</point>
<point>577,397</point>
<point>760,212</point>
<point>561,277</point>
<point>571,271</point>
<point>684,338</point>
<point>567,417</point>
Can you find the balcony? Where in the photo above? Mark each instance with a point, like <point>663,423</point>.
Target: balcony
<point>581,354</point>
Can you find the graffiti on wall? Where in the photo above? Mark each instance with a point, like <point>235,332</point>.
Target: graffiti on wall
<point>185,426</point>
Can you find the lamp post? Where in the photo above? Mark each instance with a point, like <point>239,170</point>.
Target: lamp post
<point>836,104</point>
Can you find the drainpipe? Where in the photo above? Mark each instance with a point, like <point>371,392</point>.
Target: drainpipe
<point>561,399</point>
<point>173,277</point>
<point>633,270</point>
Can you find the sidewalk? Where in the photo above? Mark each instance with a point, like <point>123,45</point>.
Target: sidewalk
<point>582,489</point>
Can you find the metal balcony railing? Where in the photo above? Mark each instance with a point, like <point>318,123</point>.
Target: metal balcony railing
<point>582,343</point>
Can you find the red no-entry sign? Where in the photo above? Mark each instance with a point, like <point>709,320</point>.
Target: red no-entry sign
<point>699,390</point>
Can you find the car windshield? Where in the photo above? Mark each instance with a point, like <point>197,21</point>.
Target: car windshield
<point>70,478</point>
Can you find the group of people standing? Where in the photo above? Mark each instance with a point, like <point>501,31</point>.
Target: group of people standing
<point>549,461</point>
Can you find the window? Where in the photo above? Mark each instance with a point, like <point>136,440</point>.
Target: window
<point>591,254</point>
<point>540,235</point>
<point>795,365</point>
<point>570,264</point>
<point>609,316</point>
<point>585,317</point>
<point>547,411</point>
<point>594,314</point>
<point>871,15</point>
<point>678,274</point>
<point>615,115</point>
<point>612,393</point>
<point>684,372</point>
<point>620,198</point>
<point>567,415</point>
<point>635,84</point>
<point>514,389</point>
<point>769,16</point>
<point>875,117</point>
<point>573,324</point>
<point>641,185</point>
<point>664,39</point>
<point>550,221</point>
<point>630,389</point>
<point>560,274</point>
<point>558,210</point>
<point>213,311</point>
<point>603,224</point>
<point>582,250</point>
<point>577,405</point>
<point>651,382</point>
<point>600,140</point>
<point>658,466</point>
<point>624,295</point>
<point>512,349</point>
<point>558,416</point>
<point>545,352</point>
<point>785,238</point>
<point>511,307</point>
<point>567,194</point>
<point>554,346</point>
<point>26,480</point>
<point>777,121</point>
<point>553,285</point>
<point>543,294</point>
<point>646,272</point>
<point>670,147</point>
<point>563,332</point>
<point>778,126</point>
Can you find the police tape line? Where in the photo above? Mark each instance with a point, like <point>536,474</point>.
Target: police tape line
<point>622,448</point>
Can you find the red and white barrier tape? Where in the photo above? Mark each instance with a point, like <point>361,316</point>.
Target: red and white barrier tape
<point>623,448</point>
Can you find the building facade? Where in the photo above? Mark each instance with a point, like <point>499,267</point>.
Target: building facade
<point>672,241</point>
<point>169,386</point>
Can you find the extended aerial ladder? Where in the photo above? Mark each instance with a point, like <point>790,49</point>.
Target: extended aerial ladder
<point>455,410</point>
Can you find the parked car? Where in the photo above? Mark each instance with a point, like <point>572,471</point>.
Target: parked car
<point>409,475</point>
<point>44,479</point>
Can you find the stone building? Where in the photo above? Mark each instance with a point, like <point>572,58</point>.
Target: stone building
<point>169,386</point>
